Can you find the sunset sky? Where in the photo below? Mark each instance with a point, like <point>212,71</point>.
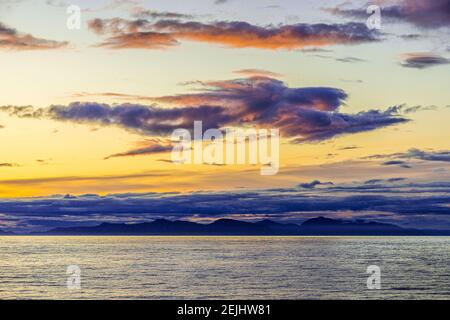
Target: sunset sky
<point>86,115</point>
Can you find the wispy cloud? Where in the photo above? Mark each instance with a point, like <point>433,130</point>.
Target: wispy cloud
<point>313,184</point>
<point>421,13</point>
<point>11,39</point>
<point>8,164</point>
<point>342,59</point>
<point>143,13</point>
<point>151,146</point>
<point>76,179</point>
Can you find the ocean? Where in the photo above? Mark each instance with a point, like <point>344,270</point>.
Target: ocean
<point>223,267</point>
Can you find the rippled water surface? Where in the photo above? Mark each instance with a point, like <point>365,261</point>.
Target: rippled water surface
<point>225,267</point>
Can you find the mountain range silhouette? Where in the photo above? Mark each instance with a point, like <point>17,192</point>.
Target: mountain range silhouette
<point>229,227</point>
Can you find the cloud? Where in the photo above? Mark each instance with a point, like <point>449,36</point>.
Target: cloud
<point>77,179</point>
<point>153,146</point>
<point>257,73</point>
<point>304,114</point>
<point>414,153</point>
<point>393,162</point>
<point>11,39</point>
<point>423,60</point>
<point>349,147</point>
<point>142,13</point>
<point>140,33</point>
<point>400,163</point>
<point>343,59</point>
<point>428,155</point>
<point>421,13</point>
<point>114,95</point>
<point>397,201</point>
<point>352,80</point>
<point>350,60</point>
<point>57,3</point>
<point>313,184</point>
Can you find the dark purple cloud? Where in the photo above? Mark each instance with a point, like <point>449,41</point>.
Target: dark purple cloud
<point>400,163</point>
<point>313,184</point>
<point>304,114</point>
<point>153,146</point>
<point>427,155</point>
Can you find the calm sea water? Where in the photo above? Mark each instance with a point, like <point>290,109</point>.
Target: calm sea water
<point>225,267</point>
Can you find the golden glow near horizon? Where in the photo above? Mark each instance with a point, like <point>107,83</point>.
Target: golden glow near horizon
<point>43,156</point>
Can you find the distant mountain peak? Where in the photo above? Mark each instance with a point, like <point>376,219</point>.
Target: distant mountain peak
<point>268,221</point>
<point>229,221</point>
<point>321,221</point>
<point>328,226</point>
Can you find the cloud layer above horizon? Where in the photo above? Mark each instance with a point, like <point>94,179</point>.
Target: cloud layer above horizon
<point>392,200</point>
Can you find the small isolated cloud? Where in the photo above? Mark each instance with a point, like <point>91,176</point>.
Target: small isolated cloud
<point>257,73</point>
<point>142,13</point>
<point>57,3</point>
<point>349,148</point>
<point>8,165</point>
<point>423,60</point>
<point>393,162</point>
<point>379,181</point>
<point>121,33</point>
<point>313,184</point>
<point>11,39</point>
<point>352,80</point>
<point>414,153</point>
<point>153,146</point>
<point>350,60</point>
<point>400,163</point>
<point>315,50</point>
